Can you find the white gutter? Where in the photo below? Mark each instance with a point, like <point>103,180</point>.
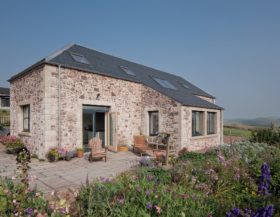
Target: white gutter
<point>59,106</point>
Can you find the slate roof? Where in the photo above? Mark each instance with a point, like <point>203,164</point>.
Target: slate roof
<point>4,91</point>
<point>104,64</point>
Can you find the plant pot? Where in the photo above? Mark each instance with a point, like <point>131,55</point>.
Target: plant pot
<point>51,158</point>
<point>80,153</point>
<point>123,148</point>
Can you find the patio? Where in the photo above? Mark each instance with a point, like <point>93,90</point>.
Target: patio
<point>62,175</point>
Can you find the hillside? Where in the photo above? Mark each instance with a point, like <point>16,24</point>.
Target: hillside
<point>258,122</point>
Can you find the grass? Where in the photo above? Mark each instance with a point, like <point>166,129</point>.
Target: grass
<point>231,131</point>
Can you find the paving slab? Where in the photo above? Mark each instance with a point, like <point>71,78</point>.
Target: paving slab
<point>61,175</point>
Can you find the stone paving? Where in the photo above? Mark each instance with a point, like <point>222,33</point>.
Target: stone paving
<point>68,174</point>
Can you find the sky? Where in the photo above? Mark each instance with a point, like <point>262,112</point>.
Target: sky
<point>230,49</point>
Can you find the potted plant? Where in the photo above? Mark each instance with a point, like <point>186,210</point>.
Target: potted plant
<point>70,155</point>
<point>53,155</point>
<point>80,152</point>
<point>122,148</point>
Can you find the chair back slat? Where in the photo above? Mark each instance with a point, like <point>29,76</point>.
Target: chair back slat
<point>139,140</point>
<point>96,145</point>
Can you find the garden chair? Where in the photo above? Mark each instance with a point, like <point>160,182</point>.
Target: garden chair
<point>97,151</point>
<point>140,146</point>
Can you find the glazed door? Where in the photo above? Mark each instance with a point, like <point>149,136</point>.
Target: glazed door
<point>111,131</point>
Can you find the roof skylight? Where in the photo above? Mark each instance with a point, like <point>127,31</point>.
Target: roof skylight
<point>79,58</point>
<point>127,70</point>
<point>165,83</point>
<point>185,86</point>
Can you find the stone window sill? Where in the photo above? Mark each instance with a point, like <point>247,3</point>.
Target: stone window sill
<point>204,136</point>
<point>27,134</point>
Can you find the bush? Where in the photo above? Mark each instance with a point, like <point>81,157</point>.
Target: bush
<point>269,136</point>
<point>12,143</point>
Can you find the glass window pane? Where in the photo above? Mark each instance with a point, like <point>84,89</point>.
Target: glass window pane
<point>127,70</point>
<point>25,112</point>
<point>26,118</point>
<point>165,83</point>
<point>197,123</point>
<point>25,124</point>
<point>211,122</point>
<point>79,58</point>
<point>5,102</point>
<point>154,123</point>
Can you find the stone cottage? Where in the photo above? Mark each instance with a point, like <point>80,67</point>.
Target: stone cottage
<point>78,93</point>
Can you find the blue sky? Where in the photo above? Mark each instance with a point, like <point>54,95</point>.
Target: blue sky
<point>230,49</point>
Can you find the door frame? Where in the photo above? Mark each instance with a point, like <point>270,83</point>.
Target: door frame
<point>108,132</point>
<point>82,102</point>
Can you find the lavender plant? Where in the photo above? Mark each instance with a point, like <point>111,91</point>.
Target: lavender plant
<point>265,180</point>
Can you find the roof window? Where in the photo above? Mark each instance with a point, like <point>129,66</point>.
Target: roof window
<point>185,86</point>
<point>127,70</point>
<point>79,58</point>
<point>165,83</point>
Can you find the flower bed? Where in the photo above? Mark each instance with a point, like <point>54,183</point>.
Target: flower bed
<point>17,199</point>
<point>230,181</point>
<point>12,144</point>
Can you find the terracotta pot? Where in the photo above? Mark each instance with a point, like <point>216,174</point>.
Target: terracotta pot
<point>80,153</point>
<point>122,148</point>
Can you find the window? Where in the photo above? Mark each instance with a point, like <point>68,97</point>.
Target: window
<point>26,118</point>
<point>165,83</point>
<point>153,123</point>
<point>197,123</point>
<point>5,102</point>
<point>79,58</point>
<point>211,122</point>
<point>127,70</point>
<point>185,86</point>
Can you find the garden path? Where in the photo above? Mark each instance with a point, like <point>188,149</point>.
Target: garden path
<point>62,175</point>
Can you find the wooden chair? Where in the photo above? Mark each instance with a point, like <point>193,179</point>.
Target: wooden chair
<point>140,146</point>
<point>97,151</point>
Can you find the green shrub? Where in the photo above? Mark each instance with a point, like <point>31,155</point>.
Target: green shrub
<point>12,143</point>
<point>269,136</point>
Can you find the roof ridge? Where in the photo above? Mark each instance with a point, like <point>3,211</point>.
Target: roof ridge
<point>58,52</point>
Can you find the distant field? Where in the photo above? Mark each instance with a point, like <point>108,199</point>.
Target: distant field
<point>231,131</point>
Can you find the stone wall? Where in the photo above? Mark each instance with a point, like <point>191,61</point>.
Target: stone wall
<point>169,114</point>
<point>29,89</point>
<point>130,101</point>
<point>200,142</point>
<point>79,88</point>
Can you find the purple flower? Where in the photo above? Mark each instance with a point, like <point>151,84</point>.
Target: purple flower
<point>148,192</point>
<point>28,211</point>
<point>265,212</point>
<point>149,206</point>
<point>138,189</point>
<point>265,180</point>
<point>233,213</point>
<point>150,178</point>
<point>145,161</point>
<point>105,180</point>
<point>121,200</point>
